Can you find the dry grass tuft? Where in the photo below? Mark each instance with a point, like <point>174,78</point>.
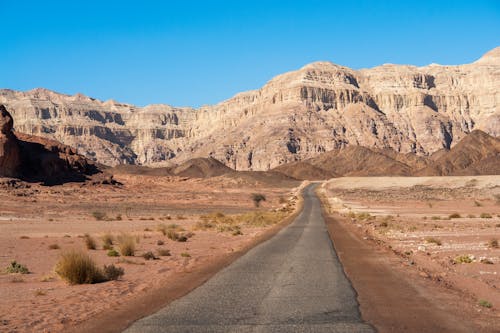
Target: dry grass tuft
<point>78,268</point>
<point>89,242</point>
<point>126,243</point>
<point>54,247</point>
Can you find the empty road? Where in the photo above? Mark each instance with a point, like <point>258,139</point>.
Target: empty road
<point>293,282</point>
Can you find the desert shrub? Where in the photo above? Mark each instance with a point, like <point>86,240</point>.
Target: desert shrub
<point>149,256</point>
<point>78,268</point>
<point>383,224</point>
<point>163,252</point>
<point>99,216</point>
<point>24,237</point>
<point>454,216</point>
<point>119,217</point>
<point>493,243</point>
<point>172,234</point>
<point>126,244</point>
<point>463,259</point>
<point>257,198</point>
<point>113,253</point>
<point>485,304</point>
<point>485,216</point>
<point>16,267</point>
<point>436,218</point>
<point>54,247</point>
<point>112,272</point>
<point>40,292</point>
<point>364,216</point>
<point>182,238</point>
<point>89,242</point>
<point>433,241</point>
<point>160,242</point>
<point>185,255</point>
<point>180,217</point>
<point>107,241</point>
<point>477,203</point>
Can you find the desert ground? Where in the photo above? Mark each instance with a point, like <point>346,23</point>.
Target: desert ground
<point>217,217</point>
<point>439,233</point>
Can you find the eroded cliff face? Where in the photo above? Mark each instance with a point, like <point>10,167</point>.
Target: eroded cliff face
<point>296,115</point>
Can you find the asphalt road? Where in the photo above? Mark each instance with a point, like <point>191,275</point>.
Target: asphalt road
<point>293,282</point>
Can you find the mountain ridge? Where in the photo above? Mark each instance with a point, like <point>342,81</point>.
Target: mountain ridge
<point>294,116</point>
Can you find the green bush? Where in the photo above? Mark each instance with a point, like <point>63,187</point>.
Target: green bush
<point>113,253</point>
<point>16,267</point>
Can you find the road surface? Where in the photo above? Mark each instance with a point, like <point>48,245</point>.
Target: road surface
<point>293,282</point>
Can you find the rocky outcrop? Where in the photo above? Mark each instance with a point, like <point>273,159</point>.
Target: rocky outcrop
<point>9,148</point>
<point>295,116</point>
<point>39,159</point>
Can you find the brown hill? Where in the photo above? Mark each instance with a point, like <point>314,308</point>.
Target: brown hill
<point>477,154</point>
<point>201,168</point>
<point>350,161</point>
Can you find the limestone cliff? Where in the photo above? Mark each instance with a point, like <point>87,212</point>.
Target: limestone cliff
<point>296,115</point>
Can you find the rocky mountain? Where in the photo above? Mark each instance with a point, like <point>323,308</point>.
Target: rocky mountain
<point>297,115</point>
<point>477,154</point>
<point>39,159</point>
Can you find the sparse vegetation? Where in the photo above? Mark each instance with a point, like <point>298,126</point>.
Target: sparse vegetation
<point>463,259</point>
<point>477,203</point>
<point>40,292</point>
<point>163,252</point>
<point>485,216</point>
<point>433,240</point>
<point>185,255</point>
<point>160,242</point>
<point>257,198</point>
<point>16,267</point>
<point>24,237</point>
<point>89,242</point>
<point>436,218</point>
<point>113,253</point>
<point>454,216</point>
<point>107,241</point>
<point>149,256</point>
<point>78,268</point>
<point>99,216</point>
<point>485,304</point>
<point>112,272</point>
<point>493,243</point>
<point>54,247</point>
<point>126,244</point>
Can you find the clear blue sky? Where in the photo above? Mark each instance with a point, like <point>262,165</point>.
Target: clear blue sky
<point>202,52</point>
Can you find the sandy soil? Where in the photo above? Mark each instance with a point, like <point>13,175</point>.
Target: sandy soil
<point>34,217</point>
<point>430,225</point>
